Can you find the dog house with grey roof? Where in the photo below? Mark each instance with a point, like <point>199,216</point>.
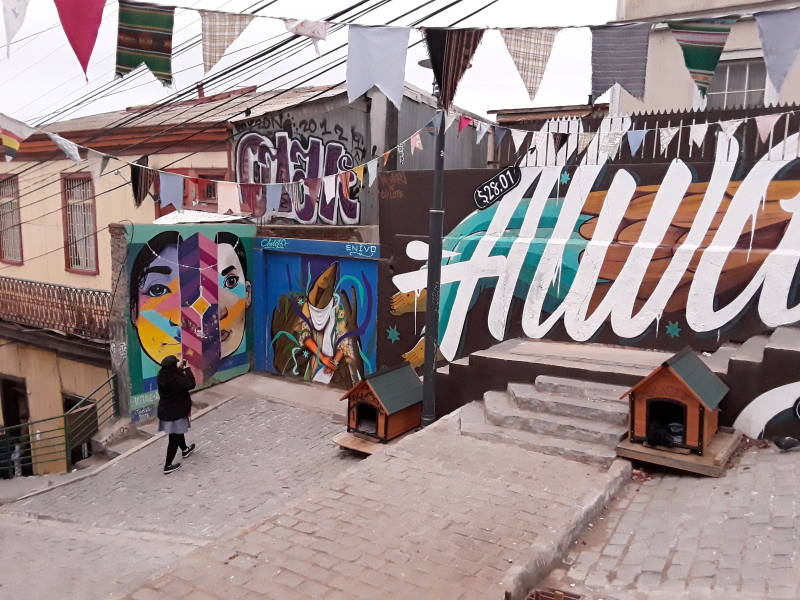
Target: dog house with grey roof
<point>385,405</point>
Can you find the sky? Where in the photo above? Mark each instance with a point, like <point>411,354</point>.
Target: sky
<point>42,74</point>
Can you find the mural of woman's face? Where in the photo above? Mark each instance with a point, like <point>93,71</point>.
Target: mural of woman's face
<point>234,298</point>
<point>158,315</point>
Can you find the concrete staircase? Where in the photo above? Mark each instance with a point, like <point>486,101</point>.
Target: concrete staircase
<point>577,419</point>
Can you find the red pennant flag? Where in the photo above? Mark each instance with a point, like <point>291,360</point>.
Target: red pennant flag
<point>463,123</point>
<point>81,20</point>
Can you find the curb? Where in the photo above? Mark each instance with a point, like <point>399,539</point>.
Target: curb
<point>520,579</point>
<point>114,460</point>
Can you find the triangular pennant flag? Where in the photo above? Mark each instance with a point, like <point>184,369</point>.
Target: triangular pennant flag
<point>316,31</point>
<point>779,41</point>
<point>372,170</point>
<point>619,55</point>
<point>97,163</point>
<point>416,142</point>
<point>359,171</point>
<point>141,179</point>
<point>702,41</point>
<point>70,149</point>
<point>584,139</point>
<point>530,51</point>
<point>697,133</point>
<point>329,186</point>
<point>559,139</point>
<point>274,192</point>
<point>729,127</point>
<point>635,139</point>
<point>450,118</point>
<point>344,178</point>
<point>228,198</point>
<point>540,139</point>
<point>220,30</point>
<point>518,136</point>
<point>145,36</point>
<point>386,156</point>
<point>13,17</point>
<point>13,133</point>
<point>481,131</point>
<point>499,134</point>
<point>609,142</point>
<point>437,121</point>
<point>463,123</point>
<point>665,135</point>
<point>170,190</point>
<point>765,125</point>
<point>376,56</point>
<point>81,24</point>
<point>401,153</point>
<point>450,52</point>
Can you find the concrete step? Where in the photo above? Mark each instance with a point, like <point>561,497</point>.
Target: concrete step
<point>752,351</point>
<point>501,410</point>
<point>783,340</point>
<point>123,446</point>
<point>579,387</point>
<point>582,403</point>
<point>718,360</point>
<point>475,425</point>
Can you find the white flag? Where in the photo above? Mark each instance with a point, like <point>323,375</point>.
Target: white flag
<point>518,136</point>
<point>220,30</point>
<point>666,134</point>
<point>449,120</point>
<point>376,56</point>
<point>13,17</point>
<point>539,140</point>
<point>584,139</point>
<point>372,170</point>
<point>67,147</point>
<point>765,124</point>
<point>481,130</point>
<point>97,163</point>
<point>729,127</point>
<point>316,31</point>
<point>609,142</point>
<point>697,133</point>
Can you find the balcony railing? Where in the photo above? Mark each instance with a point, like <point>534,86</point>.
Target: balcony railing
<point>70,310</point>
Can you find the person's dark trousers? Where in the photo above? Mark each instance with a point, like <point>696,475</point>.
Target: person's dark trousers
<point>176,440</point>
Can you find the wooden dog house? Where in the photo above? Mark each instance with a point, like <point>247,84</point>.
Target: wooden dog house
<point>385,405</point>
<point>677,405</point>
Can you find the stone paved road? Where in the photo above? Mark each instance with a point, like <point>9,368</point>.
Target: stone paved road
<point>253,455</point>
<point>691,537</point>
<point>436,516</point>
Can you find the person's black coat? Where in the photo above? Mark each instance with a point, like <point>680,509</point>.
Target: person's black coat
<point>174,401</point>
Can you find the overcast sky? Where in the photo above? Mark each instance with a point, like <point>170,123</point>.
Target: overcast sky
<point>43,74</point>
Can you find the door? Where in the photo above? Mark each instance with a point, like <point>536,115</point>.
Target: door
<point>16,449</point>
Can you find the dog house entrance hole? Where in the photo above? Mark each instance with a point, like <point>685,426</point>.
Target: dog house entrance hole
<point>666,422</point>
<point>366,419</point>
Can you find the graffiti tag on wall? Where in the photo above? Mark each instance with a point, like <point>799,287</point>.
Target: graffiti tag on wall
<point>189,296</point>
<point>284,152</point>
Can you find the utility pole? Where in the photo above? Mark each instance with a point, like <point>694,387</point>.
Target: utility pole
<point>435,231</point>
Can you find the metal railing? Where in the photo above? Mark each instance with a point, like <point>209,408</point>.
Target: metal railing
<point>46,445</point>
<point>70,310</point>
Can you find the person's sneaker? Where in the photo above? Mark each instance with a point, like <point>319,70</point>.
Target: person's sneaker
<point>186,453</point>
<point>170,468</point>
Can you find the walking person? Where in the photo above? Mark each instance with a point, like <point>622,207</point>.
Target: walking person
<point>175,380</point>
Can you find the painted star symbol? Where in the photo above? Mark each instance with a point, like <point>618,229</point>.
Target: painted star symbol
<point>564,178</point>
<point>305,353</point>
<point>392,334</point>
<point>673,329</point>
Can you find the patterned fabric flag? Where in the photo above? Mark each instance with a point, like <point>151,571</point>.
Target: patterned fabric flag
<point>316,31</point>
<point>69,148</point>
<point>81,21</point>
<point>765,125</point>
<point>609,142</point>
<point>635,139</point>
<point>372,170</point>
<point>376,56</point>
<point>463,123</point>
<point>666,134</point>
<point>13,17</point>
<point>584,139</point>
<point>779,41</point>
<point>530,50</point>
<point>702,41</point>
<point>145,36</point>
<point>540,139</point>
<point>697,133</point>
<point>416,142</point>
<point>729,127</point>
<point>13,133</point>
<point>481,131</point>
<point>228,198</point>
<point>170,190</point>
<point>451,51</point>
<point>141,179</point>
<point>619,55</point>
<point>220,30</point>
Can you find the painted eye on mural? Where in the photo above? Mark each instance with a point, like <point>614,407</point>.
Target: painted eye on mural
<point>156,290</point>
<point>231,281</point>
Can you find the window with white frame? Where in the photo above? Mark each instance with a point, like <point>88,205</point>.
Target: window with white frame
<point>10,229</point>
<point>80,239</point>
<point>738,84</point>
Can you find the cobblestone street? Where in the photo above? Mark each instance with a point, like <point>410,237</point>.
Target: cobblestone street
<point>680,536</point>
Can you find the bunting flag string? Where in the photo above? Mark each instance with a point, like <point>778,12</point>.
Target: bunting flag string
<point>697,133</point>
<point>463,123</point>
<point>635,139</point>
<point>665,135</point>
<point>219,31</point>
<point>729,127</point>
